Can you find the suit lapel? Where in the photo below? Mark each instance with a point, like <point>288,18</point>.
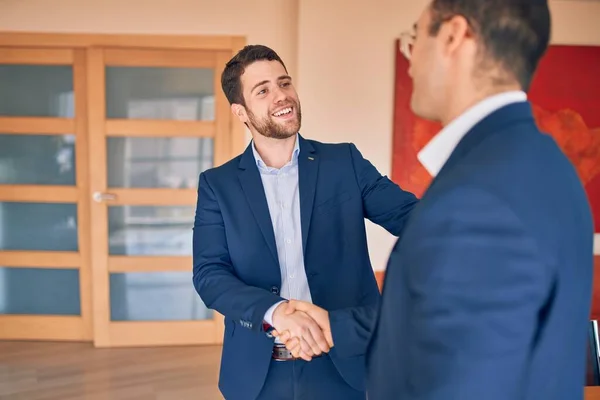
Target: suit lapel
<point>252,186</point>
<point>308,168</point>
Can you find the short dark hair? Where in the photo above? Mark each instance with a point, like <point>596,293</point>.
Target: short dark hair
<point>231,82</point>
<point>514,33</point>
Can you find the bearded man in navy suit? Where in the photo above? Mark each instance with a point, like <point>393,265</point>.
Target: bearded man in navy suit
<point>285,221</point>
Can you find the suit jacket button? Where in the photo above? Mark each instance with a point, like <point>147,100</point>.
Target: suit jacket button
<point>275,290</point>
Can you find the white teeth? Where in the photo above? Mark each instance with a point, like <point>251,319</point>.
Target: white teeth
<point>283,112</point>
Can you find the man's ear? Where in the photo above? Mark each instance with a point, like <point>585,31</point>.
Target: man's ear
<point>454,33</point>
<point>239,111</point>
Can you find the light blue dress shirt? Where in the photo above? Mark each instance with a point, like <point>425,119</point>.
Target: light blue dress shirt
<point>283,198</point>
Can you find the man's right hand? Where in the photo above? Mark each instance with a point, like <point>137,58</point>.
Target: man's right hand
<point>299,324</point>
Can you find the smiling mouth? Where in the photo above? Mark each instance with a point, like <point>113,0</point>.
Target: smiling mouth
<point>283,112</point>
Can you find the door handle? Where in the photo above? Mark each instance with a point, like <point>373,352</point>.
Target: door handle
<point>99,197</point>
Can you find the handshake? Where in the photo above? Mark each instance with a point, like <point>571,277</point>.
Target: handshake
<point>303,328</point>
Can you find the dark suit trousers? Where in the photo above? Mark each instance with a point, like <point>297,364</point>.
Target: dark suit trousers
<point>301,380</point>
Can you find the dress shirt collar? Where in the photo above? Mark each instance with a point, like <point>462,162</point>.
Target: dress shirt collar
<point>435,154</point>
<point>261,164</point>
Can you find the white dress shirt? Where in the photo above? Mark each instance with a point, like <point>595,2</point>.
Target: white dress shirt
<point>283,198</point>
<point>435,154</point>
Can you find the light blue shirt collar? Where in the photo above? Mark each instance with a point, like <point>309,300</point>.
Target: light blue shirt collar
<point>261,164</point>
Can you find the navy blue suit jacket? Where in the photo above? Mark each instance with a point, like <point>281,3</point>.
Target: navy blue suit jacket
<point>487,294</point>
<point>236,269</point>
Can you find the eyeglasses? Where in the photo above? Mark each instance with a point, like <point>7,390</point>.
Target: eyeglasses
<point>407,41</point>
<point>407,38</point>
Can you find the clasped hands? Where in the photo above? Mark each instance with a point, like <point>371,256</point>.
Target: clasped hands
<point>303,328</point>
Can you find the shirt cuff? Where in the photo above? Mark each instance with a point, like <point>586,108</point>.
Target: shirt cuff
<point>269,314</point>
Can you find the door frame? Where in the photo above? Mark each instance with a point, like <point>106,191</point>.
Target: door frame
<point>85,51</point>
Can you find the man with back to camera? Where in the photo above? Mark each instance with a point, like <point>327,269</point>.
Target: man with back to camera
<point>487,293</point>
<point>285,220</point>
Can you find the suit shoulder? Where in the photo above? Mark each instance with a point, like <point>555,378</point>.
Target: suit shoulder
<point>526,170</point>
<point>223,170</point>
<point>530,152</point>
<point>341,148</point>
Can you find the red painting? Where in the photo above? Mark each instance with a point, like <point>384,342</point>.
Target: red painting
<point>566,104</point>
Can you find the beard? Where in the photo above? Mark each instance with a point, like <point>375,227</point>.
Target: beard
<point>268,127</point>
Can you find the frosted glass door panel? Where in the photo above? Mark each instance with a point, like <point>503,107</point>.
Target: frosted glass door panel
<point>38,226</point>
<point>36,91</point>
<point>166,162</point>
<point>183,94</point>
<point>155,296</point>
<point>37,159</point>
<point>150,230</point>
<point>39,291</point>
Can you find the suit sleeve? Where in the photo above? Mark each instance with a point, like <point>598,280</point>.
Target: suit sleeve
<point>387,205</point>
<point>384,202</point>
<point>477,286</point>
<point>214,276</point>
<point>351,329</point>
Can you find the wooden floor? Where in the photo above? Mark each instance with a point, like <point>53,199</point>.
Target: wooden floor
<point>77,371</point>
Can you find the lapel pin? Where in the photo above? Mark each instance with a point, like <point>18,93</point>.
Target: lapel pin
<point>311,158</point>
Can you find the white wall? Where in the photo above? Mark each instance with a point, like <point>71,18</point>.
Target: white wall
<point>346,64</point>
<point>270,22</point>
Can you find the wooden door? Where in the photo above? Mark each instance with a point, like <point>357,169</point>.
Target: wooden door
<point>102,138</point>
<point>44,206</point>
<point>157,118</point>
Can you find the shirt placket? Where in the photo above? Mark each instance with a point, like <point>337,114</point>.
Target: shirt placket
<point>282,189</point>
